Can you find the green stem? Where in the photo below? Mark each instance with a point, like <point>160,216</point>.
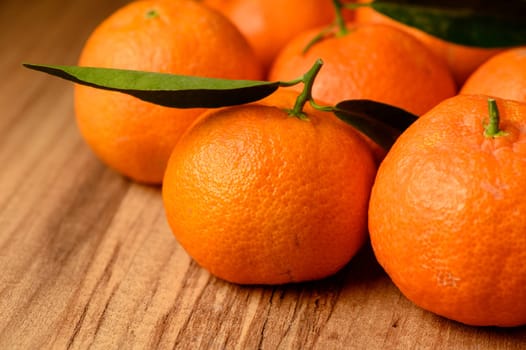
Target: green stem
<point>306,94</point>
<point>492,129</point>
<point>291,83</point>
<point>152,13</point>
<point>340,21</point>
<point>356,5</point>
<point>317,38</point>
<point>320,107</point>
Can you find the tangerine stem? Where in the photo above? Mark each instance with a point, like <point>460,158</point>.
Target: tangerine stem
<point>291,82</point>
<point>319,37</point>
<point>152,13</point>
<point>306,93</point>
<point>492,129</point>
<point>340,21</point>
<point>320,107</point>
<point>356,5</point>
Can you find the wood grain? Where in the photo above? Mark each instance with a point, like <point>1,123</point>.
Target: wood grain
<point>88,261</point>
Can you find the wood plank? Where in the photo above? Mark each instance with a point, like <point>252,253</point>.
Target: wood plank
<point>87,258</point>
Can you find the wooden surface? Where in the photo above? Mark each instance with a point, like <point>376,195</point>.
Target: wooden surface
<point>87,259</point>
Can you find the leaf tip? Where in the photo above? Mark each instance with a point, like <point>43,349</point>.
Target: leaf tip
<point>33,66</point>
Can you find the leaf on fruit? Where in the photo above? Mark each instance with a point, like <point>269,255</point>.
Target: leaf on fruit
<point>381,122</point>
<point>168,90</point>
<point>480,23</point>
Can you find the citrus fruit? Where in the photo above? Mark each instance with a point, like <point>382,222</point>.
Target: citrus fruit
<point>447,209</point>
<point>270,24</point>
<point>462,60</point>
<point>181,37</point>
<point>503,75</point>
<point>376,62</point>
<point>257,196</point>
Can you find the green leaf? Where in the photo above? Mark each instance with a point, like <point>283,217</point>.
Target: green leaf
<point>481,23</point>
<point>381,122</point>
<point>168,90</point>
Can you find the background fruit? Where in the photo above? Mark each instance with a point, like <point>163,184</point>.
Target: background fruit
<point>503,75</point>
<point>182,37</point>
<point>270,24</point>
<point>462,60</point>
<point>257,196</point>
<point>447,211</point>
<point>375,62</point>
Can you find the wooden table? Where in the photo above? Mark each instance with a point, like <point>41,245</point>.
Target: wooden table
<point>87,258</point>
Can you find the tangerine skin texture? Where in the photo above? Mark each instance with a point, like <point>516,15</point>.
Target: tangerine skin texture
<point>373,61</point>
<point>180,37</point>
<point>259,197</point>
<point>447,215</point>
<point>503,75</point>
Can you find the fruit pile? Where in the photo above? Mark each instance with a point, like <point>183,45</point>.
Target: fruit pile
<point>279,189</point>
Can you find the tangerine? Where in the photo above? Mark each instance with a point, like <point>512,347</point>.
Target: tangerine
<point>257,196</point>
<point>180,37</point>
<point>503,75</point>
<point>447,212</point>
